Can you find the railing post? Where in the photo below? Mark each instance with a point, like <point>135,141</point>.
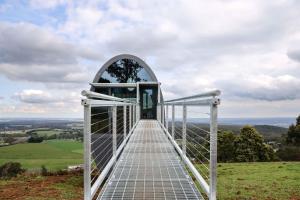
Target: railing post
<point>184,130</point>
<point>162,114</point>
<point>87,151</point>
<point>130,117</point>
<point>138,104</point>
<point>158,112</point>
<point>114,131</point>
<point>173,121</point>
<point>213,151</point>
<point>134,114</point>
<point>124,118</point>
<point>167,117</point>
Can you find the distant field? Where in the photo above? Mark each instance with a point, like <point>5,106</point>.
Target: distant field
<point>47,132</point>
<point>261,181</point>
<point>54,154</point>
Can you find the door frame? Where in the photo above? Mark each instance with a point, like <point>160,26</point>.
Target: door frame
<point>139,101</point>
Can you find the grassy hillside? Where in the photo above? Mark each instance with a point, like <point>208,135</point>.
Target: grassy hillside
<point>54,154</point>
<point>259,181</point>
<point>239,181</point>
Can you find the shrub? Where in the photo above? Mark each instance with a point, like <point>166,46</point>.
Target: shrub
<point>44,171</point>
<point>10,169</point>
<point>289,153</point>
<point>35,139</point>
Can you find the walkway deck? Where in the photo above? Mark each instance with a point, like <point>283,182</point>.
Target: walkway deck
<point>149,168</point>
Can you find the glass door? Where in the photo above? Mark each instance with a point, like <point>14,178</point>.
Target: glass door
<point>148,100</point>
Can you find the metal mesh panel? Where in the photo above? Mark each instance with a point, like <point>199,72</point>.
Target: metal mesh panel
<point>149,168</point>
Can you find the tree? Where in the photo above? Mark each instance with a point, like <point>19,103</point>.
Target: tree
<point>293,134</point>
<point>267,153</point>
<point>35,139</point>
<point>250,146</point>
<point>226,148</point>
<point>124,70</point>
<point>289,153</point>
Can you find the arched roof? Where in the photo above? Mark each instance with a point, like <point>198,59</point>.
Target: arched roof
<point>120,57</point>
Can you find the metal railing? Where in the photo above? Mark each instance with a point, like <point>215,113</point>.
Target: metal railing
<point>108,123</point>
<point>192,130</point>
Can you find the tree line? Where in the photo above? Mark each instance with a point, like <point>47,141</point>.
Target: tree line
<point>249,146</point>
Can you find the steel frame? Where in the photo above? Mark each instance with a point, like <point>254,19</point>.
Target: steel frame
<point>100,100</point>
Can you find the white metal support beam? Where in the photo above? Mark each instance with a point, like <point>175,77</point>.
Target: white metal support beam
<point>87,151</point>
<point>213,151</point>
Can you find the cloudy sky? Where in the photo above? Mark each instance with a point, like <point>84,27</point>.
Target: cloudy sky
<point>50,51</point>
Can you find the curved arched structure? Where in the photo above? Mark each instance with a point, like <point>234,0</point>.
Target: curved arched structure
<point>119,58</point>
<point>127,76</point>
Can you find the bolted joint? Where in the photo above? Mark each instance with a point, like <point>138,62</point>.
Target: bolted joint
<point>85,102</point>
<point>216,101</point>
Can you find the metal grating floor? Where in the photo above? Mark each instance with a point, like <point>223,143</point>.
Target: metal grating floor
<point>149,168</point>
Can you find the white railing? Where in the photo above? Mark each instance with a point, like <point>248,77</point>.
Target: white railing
<point>108,123</point>
<point>192,130</point>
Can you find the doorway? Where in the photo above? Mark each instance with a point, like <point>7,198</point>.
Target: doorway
<point>148,100</point>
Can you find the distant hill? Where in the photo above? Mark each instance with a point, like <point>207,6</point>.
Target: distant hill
<point>270,132</point>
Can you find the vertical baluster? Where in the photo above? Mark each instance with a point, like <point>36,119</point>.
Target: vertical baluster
<point>114,131</point>
<point>167,117</point>
<point>134,114</point>
<point>163,114</point>
<point>173,121</point>
<point>130,117</point>
<point>184,130</point>
<point>124,118</point>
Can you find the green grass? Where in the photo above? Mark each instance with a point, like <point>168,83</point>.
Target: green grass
<point>274,180</point>
<point>54,154</point>
<point>46,132</point>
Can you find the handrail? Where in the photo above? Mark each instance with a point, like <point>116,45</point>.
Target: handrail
<point>96,95</point>
<point>206,94</point>
<point>120,85</point>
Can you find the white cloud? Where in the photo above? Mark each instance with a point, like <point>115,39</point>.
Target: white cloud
<point>34,97</point>
<point>41,4</point>
<point>248,49</point>
<point>263,87</point>
<point>40,55</point>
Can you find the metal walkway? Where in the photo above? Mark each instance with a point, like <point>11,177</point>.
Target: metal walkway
<point>149,168</point>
